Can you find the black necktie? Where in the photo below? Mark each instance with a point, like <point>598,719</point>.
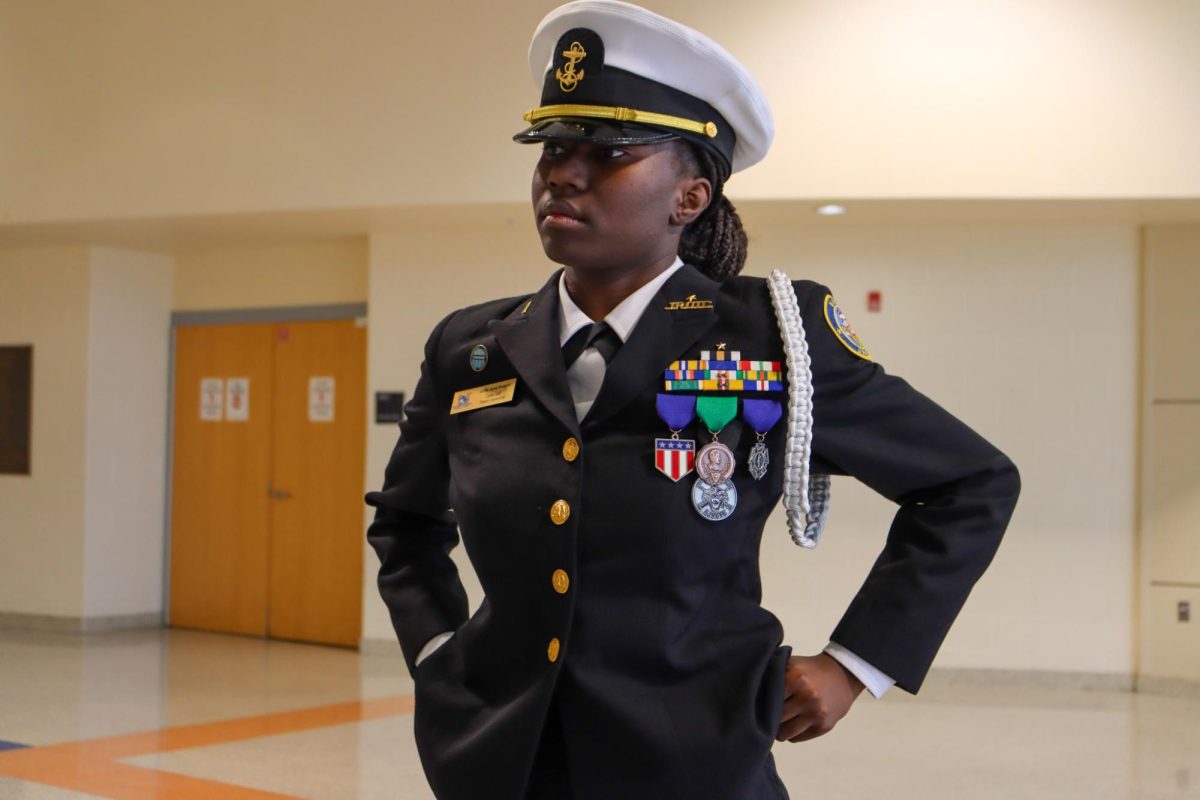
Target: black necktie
<point>598,335</point>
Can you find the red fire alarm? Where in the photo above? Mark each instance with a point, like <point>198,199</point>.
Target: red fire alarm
<point>874,301</point>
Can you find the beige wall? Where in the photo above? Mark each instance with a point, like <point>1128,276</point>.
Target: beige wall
<point>82,536</point>
<point>1026,332</point>
<point>128,342</point>
<point>44,302</point>
<point>147,108</point>
<point>299,274</point>
<point>1171,468</point>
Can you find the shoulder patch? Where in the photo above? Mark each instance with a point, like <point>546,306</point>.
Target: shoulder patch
<point>842,330</point>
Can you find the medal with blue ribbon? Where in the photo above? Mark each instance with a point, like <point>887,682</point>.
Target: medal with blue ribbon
<point>675,457</point>
<point>714,496</point>
<point>761,416</point>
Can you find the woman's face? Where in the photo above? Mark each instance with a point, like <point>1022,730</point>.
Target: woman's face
<point>603,207</point>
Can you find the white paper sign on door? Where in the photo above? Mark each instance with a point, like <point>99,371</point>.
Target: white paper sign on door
<point>320,398</point>
<point>212,399</point>
<point>237,399</point>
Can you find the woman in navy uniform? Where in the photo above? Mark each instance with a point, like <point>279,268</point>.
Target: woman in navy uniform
<point>620,650</point>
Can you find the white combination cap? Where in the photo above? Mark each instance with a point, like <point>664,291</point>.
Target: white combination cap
<point>616,73</point>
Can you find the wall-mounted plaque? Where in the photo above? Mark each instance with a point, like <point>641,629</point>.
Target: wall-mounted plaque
<point>16,403</point>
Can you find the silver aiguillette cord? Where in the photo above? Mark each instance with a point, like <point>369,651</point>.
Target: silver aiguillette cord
<point>805,497</point>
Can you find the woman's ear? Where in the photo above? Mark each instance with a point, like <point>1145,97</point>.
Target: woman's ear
<point>694,196</point>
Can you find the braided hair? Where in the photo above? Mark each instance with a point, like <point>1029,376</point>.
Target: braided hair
<point>715,241</point>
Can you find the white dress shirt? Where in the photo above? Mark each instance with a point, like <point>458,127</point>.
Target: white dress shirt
<point>585,377</point>
<point>587,373</point>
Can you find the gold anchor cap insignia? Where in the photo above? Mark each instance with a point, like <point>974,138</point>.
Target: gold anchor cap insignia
<point>568,78</point>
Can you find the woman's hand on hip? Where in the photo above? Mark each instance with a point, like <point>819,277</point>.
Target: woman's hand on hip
<point>817,692</point>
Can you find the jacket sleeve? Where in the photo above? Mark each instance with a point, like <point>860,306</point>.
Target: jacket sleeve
<point>414,529</point>
<point>955,491</point>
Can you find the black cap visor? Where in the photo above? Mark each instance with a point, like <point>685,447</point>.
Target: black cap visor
<point>574,129</point>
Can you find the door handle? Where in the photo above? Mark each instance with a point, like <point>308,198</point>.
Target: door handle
<point>277,494</point>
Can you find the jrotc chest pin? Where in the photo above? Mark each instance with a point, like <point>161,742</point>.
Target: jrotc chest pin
<point>478,358</point>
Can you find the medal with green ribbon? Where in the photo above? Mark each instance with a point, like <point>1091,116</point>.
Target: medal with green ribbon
<point>714,495</point>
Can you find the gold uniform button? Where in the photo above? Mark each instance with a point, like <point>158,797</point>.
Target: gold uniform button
<point>570,449</point>
<point>561,581</point>
<point>559,512</point>
<point>552,650</point>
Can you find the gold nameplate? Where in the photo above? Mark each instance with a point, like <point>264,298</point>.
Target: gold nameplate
<point>483,396</point>
<point>688,304</point>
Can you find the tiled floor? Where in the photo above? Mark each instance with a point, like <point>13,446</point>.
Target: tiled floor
<point>177,714</point>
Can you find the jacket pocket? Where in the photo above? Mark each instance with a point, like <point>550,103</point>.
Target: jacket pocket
<point>421,668</point>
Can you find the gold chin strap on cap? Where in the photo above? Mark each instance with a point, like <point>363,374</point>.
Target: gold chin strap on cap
<point>619,114</point>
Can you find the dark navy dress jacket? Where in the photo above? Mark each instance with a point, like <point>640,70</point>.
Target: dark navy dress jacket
<point>665,670</point>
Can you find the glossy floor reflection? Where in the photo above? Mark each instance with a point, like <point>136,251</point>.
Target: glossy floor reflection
<point>177,714</point>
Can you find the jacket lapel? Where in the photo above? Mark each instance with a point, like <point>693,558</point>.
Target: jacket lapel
<point>529,337</point>
<point>658,338</point>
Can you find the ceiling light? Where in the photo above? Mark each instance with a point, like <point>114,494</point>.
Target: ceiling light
<point>831,210</point>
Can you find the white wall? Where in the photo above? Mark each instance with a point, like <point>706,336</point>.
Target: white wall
<point>44,302</point>
<point>1026,332</point>
<point>128,344</point>
<point>151,108</point>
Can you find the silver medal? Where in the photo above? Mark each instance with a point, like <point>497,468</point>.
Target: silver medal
<point>759,459</point>
<point>714,502</point>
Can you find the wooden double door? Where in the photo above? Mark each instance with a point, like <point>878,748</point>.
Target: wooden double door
<point>267,480</point>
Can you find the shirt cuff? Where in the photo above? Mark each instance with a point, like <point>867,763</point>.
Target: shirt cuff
<point>875,681</point>
<point>431,645</point>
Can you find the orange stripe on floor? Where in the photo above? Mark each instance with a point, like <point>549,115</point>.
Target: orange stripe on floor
<point>91,765</point>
